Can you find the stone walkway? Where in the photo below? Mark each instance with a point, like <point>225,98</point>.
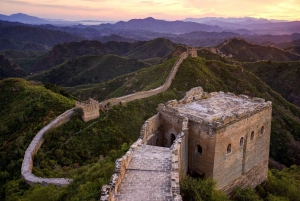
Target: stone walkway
<point>148,176</point>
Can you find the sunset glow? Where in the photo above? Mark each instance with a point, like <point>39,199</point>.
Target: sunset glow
<point>160,9</point>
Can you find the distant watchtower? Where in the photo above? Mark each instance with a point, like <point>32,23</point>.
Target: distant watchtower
<point>90,109</point>
<point>192,51</point>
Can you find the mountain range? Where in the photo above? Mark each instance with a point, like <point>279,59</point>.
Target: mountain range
<point>237,25</point>
<point>27,19</point>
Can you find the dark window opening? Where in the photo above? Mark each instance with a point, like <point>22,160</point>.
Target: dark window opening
<point>252,135</point>
<point>241,141</point>
<point>262,130</point>
<point>228,148</point>
<point>194,99</point>
<point>199,150</point>
<point>172,138</point>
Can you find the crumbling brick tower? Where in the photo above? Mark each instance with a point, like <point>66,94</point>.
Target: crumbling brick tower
<point>90,109</point>
<point>228,136</point>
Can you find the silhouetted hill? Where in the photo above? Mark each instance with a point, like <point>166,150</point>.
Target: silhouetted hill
<point>139,50</point>
<point>28,34</point>
<point>251,25</point>
<point>245,51</point>
<point>161,26</point>
<point>23,18</point>
<point>9,69</point>
<point>239,20</point>
<point>88,69</point>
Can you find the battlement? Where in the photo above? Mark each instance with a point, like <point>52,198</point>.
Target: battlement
<point>216,108</point>
<point>90,109</point>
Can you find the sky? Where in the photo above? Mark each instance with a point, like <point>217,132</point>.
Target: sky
<point>115,10</point>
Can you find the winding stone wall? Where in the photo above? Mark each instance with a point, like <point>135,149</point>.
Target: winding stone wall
<point>32,149</point>
<point>145,94</point>
<point>121,164</point>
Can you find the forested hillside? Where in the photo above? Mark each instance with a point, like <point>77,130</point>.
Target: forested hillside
<point>157,48</point>
<point>89,69</point>
<point>282,77</point>
<point>244,51</point>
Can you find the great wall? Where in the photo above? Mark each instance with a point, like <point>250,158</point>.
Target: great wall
<point>219,135</point>
<point>27,164</point>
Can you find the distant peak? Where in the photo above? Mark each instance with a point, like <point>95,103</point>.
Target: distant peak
<point>19,14</point>
<point>149,18</point>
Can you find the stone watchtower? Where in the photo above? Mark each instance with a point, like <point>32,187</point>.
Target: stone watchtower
<point>192,51</point>
<point>90,109</point>
<point>228,136</point>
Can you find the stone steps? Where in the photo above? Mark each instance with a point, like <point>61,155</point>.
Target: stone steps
<point>148,176</point>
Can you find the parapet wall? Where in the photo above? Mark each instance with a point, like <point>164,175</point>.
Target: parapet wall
<point>32,149</point>
<point>179,160</point>
<point>179,164</point>
<point>221,120</point>
<point>149,130</point>
<point>108,192</point>
<point>145,94</point>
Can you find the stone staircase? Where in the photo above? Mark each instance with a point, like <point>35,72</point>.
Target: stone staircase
<point>148,175</point>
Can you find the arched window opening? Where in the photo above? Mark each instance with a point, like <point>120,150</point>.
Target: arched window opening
<point>252,135</point>
<point>241,141</point>
<point>199,150</point>
<point>262,130</point>
<point>228,148</point>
